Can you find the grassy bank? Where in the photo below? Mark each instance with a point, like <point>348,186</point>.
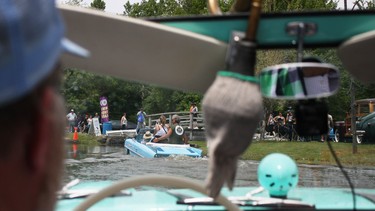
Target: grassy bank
<point>313,152</point>
<point>309,152</point>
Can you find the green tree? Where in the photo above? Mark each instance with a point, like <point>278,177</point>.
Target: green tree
<point>298,5</point>
<point>152,8</point>
<point>362,4</point>
<point>82,91</point>
<point>194,7</point>
<point>165,8</point>
<point>98,4</point>
<point>73,2</point>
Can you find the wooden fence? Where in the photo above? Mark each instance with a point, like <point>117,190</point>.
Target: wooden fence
<point>186,121</point>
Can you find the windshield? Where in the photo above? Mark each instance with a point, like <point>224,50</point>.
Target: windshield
<point>147,74</point>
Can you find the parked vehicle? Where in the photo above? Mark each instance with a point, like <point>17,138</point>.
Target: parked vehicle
<point>367,124</point>
<point>363,108</point>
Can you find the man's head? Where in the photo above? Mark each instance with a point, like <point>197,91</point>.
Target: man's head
<point>31,160</point>
<point>31,41</point>
<point>175,119</point>
<point>147,135</point>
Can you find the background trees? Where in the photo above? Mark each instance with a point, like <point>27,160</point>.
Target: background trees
<point>98,4</point>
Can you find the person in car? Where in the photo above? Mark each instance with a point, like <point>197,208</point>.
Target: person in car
<point>176,133</point>
<point>161,128</point>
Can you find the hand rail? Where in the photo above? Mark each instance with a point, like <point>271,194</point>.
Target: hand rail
<point>186,119</point>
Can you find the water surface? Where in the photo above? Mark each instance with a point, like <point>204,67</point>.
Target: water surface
<point>94,163</point>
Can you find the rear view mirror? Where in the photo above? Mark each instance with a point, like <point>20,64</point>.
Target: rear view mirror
<point>297,81</point>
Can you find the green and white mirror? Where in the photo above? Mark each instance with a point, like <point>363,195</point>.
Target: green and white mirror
<point>296,81</point>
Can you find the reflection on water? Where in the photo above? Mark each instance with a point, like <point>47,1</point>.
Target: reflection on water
<point>111,163</point>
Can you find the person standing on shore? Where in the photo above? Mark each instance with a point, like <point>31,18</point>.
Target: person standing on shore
<point>141,119</point>
<point>72,118</point>
<point>194,114</point>
<point>124,121</point>
<point>330,126</point>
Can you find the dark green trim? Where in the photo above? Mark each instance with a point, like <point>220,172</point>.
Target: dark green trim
<point>239,76</point>
<point>333,27</point>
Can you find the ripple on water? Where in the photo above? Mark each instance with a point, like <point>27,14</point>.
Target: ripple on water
<point>111,163</point>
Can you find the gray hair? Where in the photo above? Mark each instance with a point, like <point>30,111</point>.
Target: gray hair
<point>176,118</point>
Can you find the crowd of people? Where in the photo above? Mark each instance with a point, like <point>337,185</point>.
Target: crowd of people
<point>276,125</point>
<point>172,133</point>
<point>163,132</point>
<point>80,121</point>
<point>279,125</point>
<point>286,126</point>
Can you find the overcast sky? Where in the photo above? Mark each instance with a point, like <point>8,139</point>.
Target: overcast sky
<point>116,6</point>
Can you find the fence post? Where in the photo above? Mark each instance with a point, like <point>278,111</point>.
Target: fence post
<point>191,125</point>
<point>170,119</point>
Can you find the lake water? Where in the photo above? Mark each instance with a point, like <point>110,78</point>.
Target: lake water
<point>95,163</point>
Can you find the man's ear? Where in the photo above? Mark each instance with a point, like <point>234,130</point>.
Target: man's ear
<point>39,142</point>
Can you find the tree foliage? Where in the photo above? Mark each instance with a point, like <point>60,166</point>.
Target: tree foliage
<point>73,2</point>
<point>297,5</point>
<point>82,91</point>
<point>164,8</point>
<point>363,4</point>
<point>98,4</point>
